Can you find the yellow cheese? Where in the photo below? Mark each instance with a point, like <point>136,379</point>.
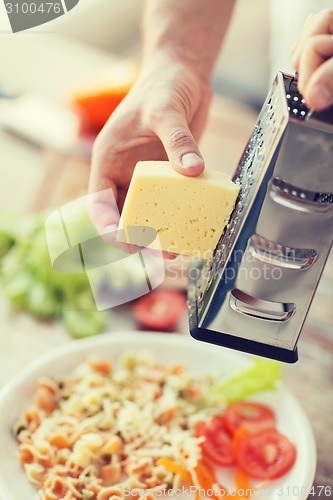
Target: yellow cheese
<point>188,213</point>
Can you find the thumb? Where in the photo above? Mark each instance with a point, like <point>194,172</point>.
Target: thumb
<point>179,144</point>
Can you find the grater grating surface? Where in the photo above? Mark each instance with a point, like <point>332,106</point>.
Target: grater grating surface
<point>247,175</point>
<point>282,221</point>
<point>296,104</point>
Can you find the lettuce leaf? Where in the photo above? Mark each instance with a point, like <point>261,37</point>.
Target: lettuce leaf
<point>264,375</point>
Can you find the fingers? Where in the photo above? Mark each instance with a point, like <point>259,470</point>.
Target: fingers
<point>179,144</point>
<point>103,211</point>
<point>312,58</point>
<point>306,32</point>
<point>318,92</point>
<point>320,23</point>
<point>199,119</point>
<point>316,72</point>
<point>316,51</point>
<point>102,205</point>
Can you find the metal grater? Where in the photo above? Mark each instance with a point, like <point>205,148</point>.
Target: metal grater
<point>255,292</point>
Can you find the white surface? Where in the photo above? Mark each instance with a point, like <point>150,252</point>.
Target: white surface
<point>53,127</point>
<point>198,358</point>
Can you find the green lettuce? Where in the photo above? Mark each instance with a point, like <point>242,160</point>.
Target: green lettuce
<point>30,283</point>
<point>264,375</point>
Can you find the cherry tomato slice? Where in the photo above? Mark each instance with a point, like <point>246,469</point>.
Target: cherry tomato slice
<point>245,414</point>
<point>266,454</point>
<point>218,444</point>
<point>160,309</point>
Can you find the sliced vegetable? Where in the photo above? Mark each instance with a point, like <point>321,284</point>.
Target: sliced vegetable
<point>217,445</point>
<point>7,234</point>
<point>262,376</point>
<point>175,468</point>
<point>83,323</point>
<point>267,454</point>
<point>207,479</point>
<point>41,301</point>
<point>30,283</point>
<point>98,100</point>
<point>243,487</point>
<point>242,480</point>
<point>160,309</point>
<point>247,413</point>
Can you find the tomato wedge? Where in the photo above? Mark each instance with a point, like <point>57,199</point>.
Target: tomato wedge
<point>217,445</point>
<point>160,309</point>
<point>247,414</point>
<point>266,454</point>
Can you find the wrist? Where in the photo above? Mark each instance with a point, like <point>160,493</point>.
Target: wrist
<point>172,59</point>
<point>188,33</point>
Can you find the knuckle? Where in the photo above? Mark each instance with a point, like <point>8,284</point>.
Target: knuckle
<point>326,19</point>
<point>327,13</point>
<point>311,43</point>
<point>154,115</point>
<point>309,17</point>
<point>179,138</point>
<point>324,78</point>
<point>98,146</point>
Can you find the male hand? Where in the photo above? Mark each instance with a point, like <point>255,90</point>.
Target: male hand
<point>161,118</point>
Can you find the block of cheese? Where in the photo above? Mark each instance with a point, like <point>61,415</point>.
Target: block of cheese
<point>188,213</point>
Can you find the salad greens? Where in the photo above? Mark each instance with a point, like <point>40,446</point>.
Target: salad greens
<point>30,283</point>
<point>263,375</point>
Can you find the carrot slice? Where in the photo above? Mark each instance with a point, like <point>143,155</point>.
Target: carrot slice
<point>205,475</point>
<point>175,468</point>
<point>238,435</point>
<point>242,480</point>
<point>197,495</point>
<point>207,479</point>
<point>100,365</point>
<point>243,488</point>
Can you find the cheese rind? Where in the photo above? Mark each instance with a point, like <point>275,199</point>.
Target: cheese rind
<point>188,213</point>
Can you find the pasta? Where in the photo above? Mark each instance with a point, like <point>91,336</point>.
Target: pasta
<point>99,433</point>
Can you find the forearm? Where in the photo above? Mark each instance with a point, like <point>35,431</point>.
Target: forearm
<point>186,31</point>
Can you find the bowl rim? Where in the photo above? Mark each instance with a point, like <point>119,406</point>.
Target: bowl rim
<point>157,338</point>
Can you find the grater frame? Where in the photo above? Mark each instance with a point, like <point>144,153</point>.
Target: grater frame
<point>277,185</point>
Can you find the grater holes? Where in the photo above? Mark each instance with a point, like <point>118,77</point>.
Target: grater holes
<point>249,305</point>
<point>247,174</point>
<point>296,105</point>
<point>283,256</point>
<point>324,198</point>
<point>300,199</point>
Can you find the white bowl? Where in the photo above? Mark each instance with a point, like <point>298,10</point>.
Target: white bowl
<point>199,358</point>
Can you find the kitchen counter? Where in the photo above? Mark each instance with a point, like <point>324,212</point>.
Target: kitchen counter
<point>33,179</point>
